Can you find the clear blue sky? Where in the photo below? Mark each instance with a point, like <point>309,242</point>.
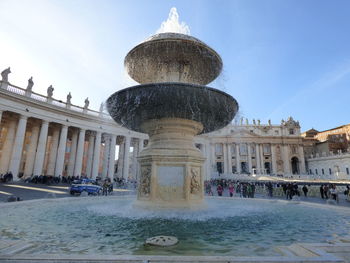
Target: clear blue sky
<point>281,58</point>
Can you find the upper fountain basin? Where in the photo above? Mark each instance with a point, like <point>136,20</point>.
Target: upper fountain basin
<point>173,57</point>
<point>135,105</point>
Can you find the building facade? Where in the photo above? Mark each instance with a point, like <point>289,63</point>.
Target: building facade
<point>327,152</point>
<point>40,135</point>
<point>254,149</point>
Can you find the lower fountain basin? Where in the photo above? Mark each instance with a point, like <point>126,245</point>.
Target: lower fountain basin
<point>113,226</point>
<point>133,106</point>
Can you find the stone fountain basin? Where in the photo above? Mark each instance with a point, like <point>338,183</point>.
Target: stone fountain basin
<point>173,57</point>
<point>133,106</point>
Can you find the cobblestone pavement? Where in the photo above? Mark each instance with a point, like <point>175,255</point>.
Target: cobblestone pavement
<point>29,191</point>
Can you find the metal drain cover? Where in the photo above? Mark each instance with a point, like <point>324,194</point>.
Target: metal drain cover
<point>162,241</point>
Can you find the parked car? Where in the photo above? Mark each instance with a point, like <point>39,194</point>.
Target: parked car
<point>85,185</point>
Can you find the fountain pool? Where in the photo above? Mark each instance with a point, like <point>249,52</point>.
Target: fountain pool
<point>112,226</point>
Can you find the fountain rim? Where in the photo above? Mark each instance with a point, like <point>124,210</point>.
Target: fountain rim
<point>174,37</point>
<point>133,197</point>
<point>177,84</point>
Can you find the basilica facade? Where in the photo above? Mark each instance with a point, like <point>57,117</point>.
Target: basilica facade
<point>254,149</point>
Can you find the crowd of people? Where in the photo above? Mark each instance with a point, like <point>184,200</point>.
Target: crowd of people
<point>5,178</point>
<point>230,188</point>
<point>219,187</point>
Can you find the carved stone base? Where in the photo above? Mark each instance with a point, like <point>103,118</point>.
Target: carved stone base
<point>171,165</point>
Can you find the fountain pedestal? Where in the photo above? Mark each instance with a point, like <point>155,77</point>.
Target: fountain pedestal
<point>171,166</point>
<point>172,105</point>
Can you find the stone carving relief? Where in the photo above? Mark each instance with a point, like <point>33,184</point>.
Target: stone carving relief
<point>145,182</point>
<point>195,181</point>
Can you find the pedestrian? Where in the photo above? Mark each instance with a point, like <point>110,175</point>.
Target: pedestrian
<point>322,191</point>
<point>305,190</point>
<point>219,189</point>
<point>231,189</point>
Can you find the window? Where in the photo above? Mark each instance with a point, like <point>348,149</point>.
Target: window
<point>310,171</point>
<point>322,171</point>
<point>316,172</point>
<point>291,131</point>
<point>218,148</point>
<point>347,171</point>
<point>243,149</point>
<point>330,171</point>
<point>267,149</point>
<point>276,132</point>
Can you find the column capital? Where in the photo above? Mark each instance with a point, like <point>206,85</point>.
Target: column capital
<point>23,117</point>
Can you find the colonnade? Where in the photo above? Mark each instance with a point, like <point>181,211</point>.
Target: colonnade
<point>32,146</point>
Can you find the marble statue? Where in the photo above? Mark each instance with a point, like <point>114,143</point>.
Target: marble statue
<point>87,102</point>
<point>270,122</point>
<point>258,122</point>
<point>5,74</point>
<point>50,91</point>
<point>69,97</point>
<point>254,122</point>
<point>30,84</point>
<point>246,121</point>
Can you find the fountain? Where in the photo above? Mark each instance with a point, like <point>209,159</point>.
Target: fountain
<point>172,105</point>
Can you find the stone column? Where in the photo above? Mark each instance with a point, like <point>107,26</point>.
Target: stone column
<point>29,166</point>
<point>249,158</point>
<point>61,152</point>
<point>207,161</point>
<point>105,156</point>
<point>140,146</point>
<point>302,160</point>
<point>213,159</point>
<point>80,153</point>
<point>73,151</point>
<point>18,147</point>
<point>112,157</point>
<point>126,158</point>
<point>286,161</point>
<point>40,150</point>
<point>7,148</point>
<point>53,152</point>
<point>229,158</point>
<point>273,157</point>
<point>121,159</point>
<point>238,163</point>
<point>224,152</point>
<point>257,159</point>
<point>96,158</point>
<point>134,161</point>
<point>90,154</point>
<point>262,161</point>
